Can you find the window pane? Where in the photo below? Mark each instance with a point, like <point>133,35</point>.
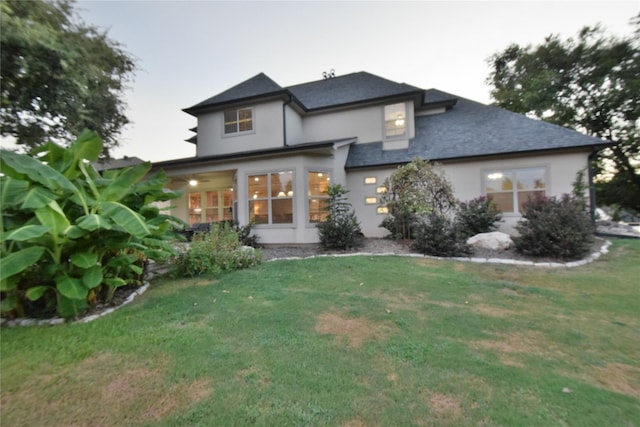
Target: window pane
<point>258,211</point>
<point>282,211</point>
<point>395,120</point>
<point>317,209</point>
<point>212,215</point>
<point>212,199</point>
<point>530,179</point>
<point>523,197</point>
<point>504,201</point>
<point>230,116</point>
<point>258,186</point>
<point>282,184</point>
<point>498,181</point>
<point>318,183</point>
<point>195,208</point>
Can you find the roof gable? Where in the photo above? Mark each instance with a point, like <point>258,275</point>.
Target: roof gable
<point>257,86</point>
<point>348,89</point>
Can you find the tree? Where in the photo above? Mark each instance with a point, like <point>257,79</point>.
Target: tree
<point>59,75</point>
<point>591,84</point>
<point>414,191</point>
<point>340,229</point>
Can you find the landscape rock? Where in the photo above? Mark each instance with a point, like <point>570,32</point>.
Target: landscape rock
<point>495,241</point>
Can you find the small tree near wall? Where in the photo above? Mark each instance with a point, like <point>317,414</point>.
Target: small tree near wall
<point>340,229</point>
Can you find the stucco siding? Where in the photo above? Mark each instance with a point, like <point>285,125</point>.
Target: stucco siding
<point>267,132</point>
<point>467,181</point>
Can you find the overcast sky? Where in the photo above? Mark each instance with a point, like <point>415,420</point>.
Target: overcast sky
<point>188,51</point>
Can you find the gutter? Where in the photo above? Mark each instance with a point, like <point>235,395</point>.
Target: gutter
<point>284,120</point>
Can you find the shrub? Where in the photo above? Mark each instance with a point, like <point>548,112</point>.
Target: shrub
<point>414,190</point>
<point>477,216</point>
<point>438,235</point>
<point>340,229</point>
<point>245,236</point>
<point>215,252</point>
<point>557,228</point>
<point>70,236</point>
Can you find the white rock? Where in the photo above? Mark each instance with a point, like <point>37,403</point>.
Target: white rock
<point>495,241</point>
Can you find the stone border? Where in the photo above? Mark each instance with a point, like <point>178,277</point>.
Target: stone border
<point>604,249</point>
<point>60,320</point>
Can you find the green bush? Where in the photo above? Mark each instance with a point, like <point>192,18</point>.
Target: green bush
<point>479,215</point>
<point>555,227</point>
<point>439,235</point>
<point>70,236</point>
<point>340,229</point>
<point>215,252</point>
<point>414,191</point>
<point>244,234</point>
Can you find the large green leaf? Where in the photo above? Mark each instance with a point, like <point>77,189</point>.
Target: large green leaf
<point>125,182</point>
<point>130,221</point>
<point>37,197</point>
<point>84,259</point>
<point>37,171</point>
<point>27,232</point>
<point>122,260</point>
<point>52,216</point>
<point>92,277</point>
<point>36,292</point>
<point>88,146</point>
<point>8,303</point>
<point>13,191</point>
<point>93,222</point>
<point>17,262</point>
<point>68,307</point>
<point>71,287</point>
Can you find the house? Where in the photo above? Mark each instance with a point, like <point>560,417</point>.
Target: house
<point>266,153</point>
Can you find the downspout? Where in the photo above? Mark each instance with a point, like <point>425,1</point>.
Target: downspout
<point>592,187</point>
<point>284,120</point>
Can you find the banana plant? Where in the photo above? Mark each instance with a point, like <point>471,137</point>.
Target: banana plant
<point>73,233</point>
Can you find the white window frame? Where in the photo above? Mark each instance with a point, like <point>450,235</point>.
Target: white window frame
<point>237,121</point>
<point>512,174</point>
<point>403,116</point>
<point>269,198</point>
<point>309,196</point>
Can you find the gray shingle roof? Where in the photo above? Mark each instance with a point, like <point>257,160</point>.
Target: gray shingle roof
<point>257,86</point>
<point>348,89</point>
<point>338,91</point>
<point>471,129</point>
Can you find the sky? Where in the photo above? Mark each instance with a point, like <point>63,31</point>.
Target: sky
<point>188,51</point>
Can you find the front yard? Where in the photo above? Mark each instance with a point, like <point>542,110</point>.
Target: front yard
<point>347,341</point>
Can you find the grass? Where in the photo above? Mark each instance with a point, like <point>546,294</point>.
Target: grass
<point>353,341</point>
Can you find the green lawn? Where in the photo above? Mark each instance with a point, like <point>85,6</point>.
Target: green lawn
<point>348,341</point>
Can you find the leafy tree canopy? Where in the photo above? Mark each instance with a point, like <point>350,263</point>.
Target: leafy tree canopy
<point>59,75</point>
<point>591,84</point>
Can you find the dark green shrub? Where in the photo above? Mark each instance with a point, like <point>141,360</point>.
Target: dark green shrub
<point>477,216</point>
<point>215,252</point>
<point>555,227</point>
<point>340,229</point>
<point>438,235</point>
<point>245,236</point>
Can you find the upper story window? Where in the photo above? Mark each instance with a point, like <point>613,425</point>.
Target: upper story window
<point>395,120</point>
<point>238,120</point>
<point>511,188</point>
